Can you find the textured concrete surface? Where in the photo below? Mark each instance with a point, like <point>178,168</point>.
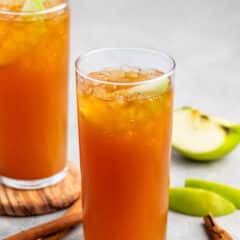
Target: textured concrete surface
<point>204,37</point>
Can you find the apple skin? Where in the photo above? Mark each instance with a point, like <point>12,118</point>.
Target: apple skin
<point>236,128</point>
<point>226,191</point>
<point>198,202</point>
<point>232,139</point>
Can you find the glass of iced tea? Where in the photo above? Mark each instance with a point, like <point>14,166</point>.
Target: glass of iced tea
<point>125,101</point>
<point>34,60</point>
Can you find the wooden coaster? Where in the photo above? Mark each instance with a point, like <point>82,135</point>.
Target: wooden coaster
<point>37,202</point>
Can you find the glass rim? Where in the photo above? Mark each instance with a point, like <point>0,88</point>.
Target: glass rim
<point>53,9</point>
<point>159,52</point>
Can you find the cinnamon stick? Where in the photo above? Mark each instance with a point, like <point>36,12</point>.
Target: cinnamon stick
<point>214,230</point>
<point>75,208</point>
<point>49,228</point>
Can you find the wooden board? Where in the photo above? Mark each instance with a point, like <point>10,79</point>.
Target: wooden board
<point>37,202</point>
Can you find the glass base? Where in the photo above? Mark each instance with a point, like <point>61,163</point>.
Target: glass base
<point>34,184</point>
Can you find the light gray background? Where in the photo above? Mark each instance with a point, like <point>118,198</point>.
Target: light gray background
<point>204,38</point>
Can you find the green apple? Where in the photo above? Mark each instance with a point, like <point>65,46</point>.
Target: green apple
<point>198,202</point>
<point>154,87</point>
<point>200,137</point>
<point>33,5</point>
<point>226,191</point>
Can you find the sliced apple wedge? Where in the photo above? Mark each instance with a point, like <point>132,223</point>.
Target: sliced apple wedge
<point>200,137</point>
<point>153,88</point>
<point>33,5</point>
<point>198,202</point>
<point>226,191</point>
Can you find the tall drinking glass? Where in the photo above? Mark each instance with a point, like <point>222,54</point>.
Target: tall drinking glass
<point>34,60</point>
<point>125,101</point>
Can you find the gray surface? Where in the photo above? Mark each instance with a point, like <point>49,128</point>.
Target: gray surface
<point>204,37</point>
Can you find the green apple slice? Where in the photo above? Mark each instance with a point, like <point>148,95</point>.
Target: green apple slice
<point>226,191</point>
<point>33,5</point>
<point>199,137</point>
<point>23,34</point>
<point>198,202</point>
<point>153,88</point>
